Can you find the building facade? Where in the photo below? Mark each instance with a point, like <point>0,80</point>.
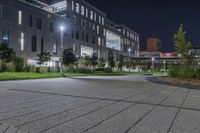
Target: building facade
<point>153,44</point>
<point>33,26</point>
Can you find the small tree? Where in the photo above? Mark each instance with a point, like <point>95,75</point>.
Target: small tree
<point>101,63</point>
<point>87,61</point>
<point>94,60</point>
<point>111,58</point>
<point>181,44</point>
<point>121,62</point>
<point>69,58</point>
<point>6,54</point>
<point>43,57</point>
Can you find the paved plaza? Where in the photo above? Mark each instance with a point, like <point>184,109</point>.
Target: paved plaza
<point>117,104</point>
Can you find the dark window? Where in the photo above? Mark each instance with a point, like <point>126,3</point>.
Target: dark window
<point>51,27</point>
<point>83,36</point>
<point>34,44</point>
<point>77,35</point>
<point>1,11</point>
<point>87,37</point>
<point>39,23</point>
<point>5,37</point>
<point>31,21</point>
<point>42,45</point>
<point>93,39</point>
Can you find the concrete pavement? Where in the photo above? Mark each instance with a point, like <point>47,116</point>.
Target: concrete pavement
<point>117,104</point>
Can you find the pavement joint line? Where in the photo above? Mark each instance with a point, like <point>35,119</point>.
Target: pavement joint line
<point>57,113</point>
<point>84,105</point>
<point>171,125</point>
<point>132,105</point>
<point>6,129</point>
<point>94,111</point>
<point>141,118</point>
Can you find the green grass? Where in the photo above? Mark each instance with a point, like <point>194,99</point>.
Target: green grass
<point>21,76</point>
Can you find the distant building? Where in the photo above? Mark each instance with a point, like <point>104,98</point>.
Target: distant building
<point>195,51</point>
<point>168,55</point>
<point>153,44</point>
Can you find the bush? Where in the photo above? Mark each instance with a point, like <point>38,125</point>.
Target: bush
<point>84,70</point>
<point>19,64</point>
<point>108,70</point>
<point>43,70</point>
<point>54,69</point>
<point>10,67</point>
<point>29,68</point>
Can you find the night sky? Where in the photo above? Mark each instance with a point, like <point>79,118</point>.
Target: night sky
<point>155,18</point>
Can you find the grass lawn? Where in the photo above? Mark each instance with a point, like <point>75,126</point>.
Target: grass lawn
<point>20,76</point>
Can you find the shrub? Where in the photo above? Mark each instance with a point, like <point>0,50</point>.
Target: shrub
<point>19,64</point>
<point>108,70</point>
<point>10,67</point>
<point>29,68</point>
<point>84,70</point>
<point>43,69</point>
<point>54,69</point>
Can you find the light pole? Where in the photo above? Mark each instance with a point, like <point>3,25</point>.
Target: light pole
<point>164,65</point>
<point>61,47</point>
<point>129,54</point>
<point>153,59</point>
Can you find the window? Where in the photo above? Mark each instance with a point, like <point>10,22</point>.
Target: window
<point>93,39</point>
<point>86,12</point>
<point>95,17</point>
<point>51,26</point>
<point>5,37</point>
<point>91,15</point>
<point>99,41</point>
<point>103,21</point>
<point>72,5</point>
<point>30,20</point>
<point>93,27</point>
<point>77,8</point>
<point>55,48</point>
<point>82,10</point>
<point>97,29</point>
<point>22,41</point>
<point>1,11</point>
<point>74,19</point>
<point>83,23</point>
<point>20,17</point>
<point>87,37</point>
<point>39,23</point>
<point>34,43</point>
<point>86,51</point>
<point>77,35</point>
<point>83,36</point>
<point>42,45</point>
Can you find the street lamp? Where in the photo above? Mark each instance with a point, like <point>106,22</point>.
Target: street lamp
<point>129,54</point>
<point>153,59</point>
<point>61,47</point>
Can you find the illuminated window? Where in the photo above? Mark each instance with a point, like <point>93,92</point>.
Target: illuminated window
<point>86,12</point>
<point>5,37</point>
<point>72,5</point>
<point>99,19</point>
<point>86,51</point>
<point>99,41</point>
<point>22,42</point>
<point>102,21</point>
<point>55,48</point>
<point>59,6</point>
<point>20,17</point>
<point>97,29</point>
<point>95,17</point>
<point>77,8</point>
<point>91,15</point>
<point>82,10</point>
<point>113,40</point>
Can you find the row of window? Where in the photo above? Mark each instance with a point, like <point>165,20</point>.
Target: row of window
<point>85,12</point>
<point>130,35</point>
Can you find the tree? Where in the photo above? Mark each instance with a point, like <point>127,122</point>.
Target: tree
<point>121,62</point>
<point>101,63</point>
<point>181,44</point>
<point>43,57</point>
<point>86,61</point>
<point>7,54</point>
<point>111,58</point>
<point>69,58</point>
<point>94,59</point>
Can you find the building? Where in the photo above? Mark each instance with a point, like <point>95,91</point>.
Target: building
<point>33,26</point>
<point>153,44</point>
<point>195,51</point>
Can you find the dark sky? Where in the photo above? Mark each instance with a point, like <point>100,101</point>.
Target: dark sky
<point>155,18</point>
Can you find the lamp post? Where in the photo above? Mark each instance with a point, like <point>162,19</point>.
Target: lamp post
<point>164,65</point>
<point>129,54</point>
<point>153,59</point>
<point>61,47</point>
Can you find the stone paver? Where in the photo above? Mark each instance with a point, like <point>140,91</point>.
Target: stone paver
<point>106,104</point>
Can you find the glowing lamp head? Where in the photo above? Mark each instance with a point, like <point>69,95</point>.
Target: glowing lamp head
<point>62,28</point>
